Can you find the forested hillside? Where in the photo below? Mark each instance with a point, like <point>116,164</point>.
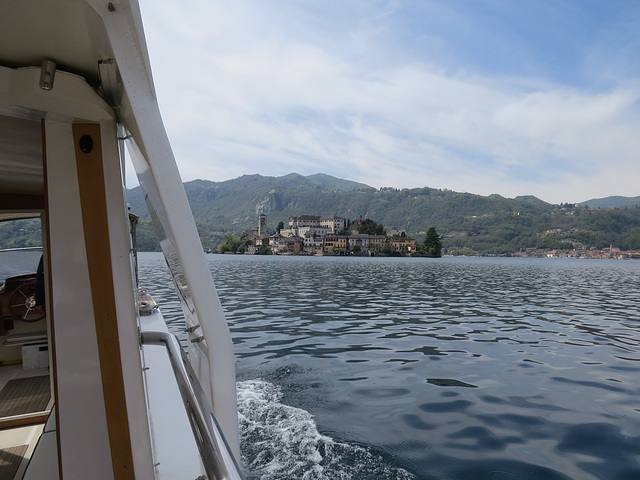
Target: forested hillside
<point>468,223</point>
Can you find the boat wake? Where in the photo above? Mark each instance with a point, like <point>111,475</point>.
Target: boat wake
<point>283,442</point>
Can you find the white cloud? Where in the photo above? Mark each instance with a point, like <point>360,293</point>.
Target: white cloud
<point>244,88</point>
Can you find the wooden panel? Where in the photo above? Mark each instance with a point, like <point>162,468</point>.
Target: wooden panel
<point>27,420</point>
<point>88,150</point>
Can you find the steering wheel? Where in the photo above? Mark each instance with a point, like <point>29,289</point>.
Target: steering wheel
<point>23,303</point>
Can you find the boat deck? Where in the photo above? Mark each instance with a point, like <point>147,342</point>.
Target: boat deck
<point>23,396</point>
<point>25,403</point>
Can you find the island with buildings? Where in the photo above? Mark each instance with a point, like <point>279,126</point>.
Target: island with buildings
<point>332,235</point>
<point>326,235</point>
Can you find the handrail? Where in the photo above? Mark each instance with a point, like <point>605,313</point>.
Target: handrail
<point>219,463</point>
<point>21,249</point>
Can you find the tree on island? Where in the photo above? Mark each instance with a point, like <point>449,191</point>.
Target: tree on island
<point>280,226</point>
<point>235,244</point>
<point>432,244</point>
<point>264,250</point>
<point>370,227</point>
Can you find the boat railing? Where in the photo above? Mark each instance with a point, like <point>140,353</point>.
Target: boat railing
<point>219,463</point>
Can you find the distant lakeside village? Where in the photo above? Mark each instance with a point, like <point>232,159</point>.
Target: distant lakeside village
<point>331,235</point>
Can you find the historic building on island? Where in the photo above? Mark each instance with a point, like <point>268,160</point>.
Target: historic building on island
<point>323,235</point>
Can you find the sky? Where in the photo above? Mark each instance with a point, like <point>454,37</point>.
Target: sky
<point>508,97</point>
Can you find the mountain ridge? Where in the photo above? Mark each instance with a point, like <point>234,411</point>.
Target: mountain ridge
<point>468,222</point>
<point>615,201</point>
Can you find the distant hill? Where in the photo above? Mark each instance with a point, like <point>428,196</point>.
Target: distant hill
<point>612,202</point>
<point>469,223</point>
<point>327,182</point>
<point>234,205</point>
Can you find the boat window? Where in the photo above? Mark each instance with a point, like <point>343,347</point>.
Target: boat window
<point>18,261</point>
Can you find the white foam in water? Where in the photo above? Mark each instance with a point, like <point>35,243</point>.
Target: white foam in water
<point>282,442</point>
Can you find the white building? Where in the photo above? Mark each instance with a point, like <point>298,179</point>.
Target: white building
<point>335,224</point>
<point>319,231</point>
<point>313,241</point>
<point>304,221</point>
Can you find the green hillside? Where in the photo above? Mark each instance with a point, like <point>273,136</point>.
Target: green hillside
<point>469,223</point>
<point>612,202</point>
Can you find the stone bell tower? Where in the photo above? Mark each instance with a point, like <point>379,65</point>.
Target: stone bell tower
<point>262,225</point>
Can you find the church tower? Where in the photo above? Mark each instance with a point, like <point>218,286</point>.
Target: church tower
<point>262,225</point>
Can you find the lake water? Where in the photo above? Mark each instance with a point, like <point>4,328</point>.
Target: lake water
<point>453,368</point>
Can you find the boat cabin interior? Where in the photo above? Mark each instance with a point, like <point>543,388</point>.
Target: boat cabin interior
<point>61,170</point>
<point>26,396</point>
<point>26,380</point>
<point>91,384</point>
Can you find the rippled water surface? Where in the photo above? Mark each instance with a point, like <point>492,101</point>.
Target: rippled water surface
<point>452,368</point>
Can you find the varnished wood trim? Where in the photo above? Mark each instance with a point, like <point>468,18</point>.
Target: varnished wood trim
<point>96,231</point>
<point>23,420</point>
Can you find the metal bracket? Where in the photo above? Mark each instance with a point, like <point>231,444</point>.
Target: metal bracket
<point>47,74</point>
